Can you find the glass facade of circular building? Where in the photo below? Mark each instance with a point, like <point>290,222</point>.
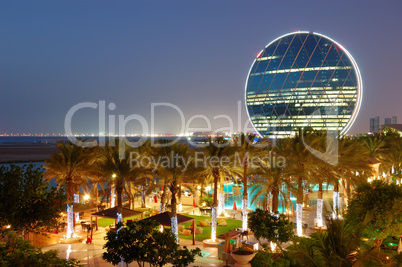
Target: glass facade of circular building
<point>303,80</point>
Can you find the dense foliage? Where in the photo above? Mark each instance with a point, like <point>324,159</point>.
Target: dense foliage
<point>142,242</point>
<point>27,202</point>
<point>266,259</point>
<point>379,205</point>
<point>341,245</point>
<point>20,253</point>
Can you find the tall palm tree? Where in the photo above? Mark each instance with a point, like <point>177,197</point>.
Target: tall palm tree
<point>352,159</point>
<point>301,164</point>
<point>215,167</point>
<point>246,148</point>
<point>113,161</point>
<point>174,167</point>
<point>96,181</point>
<point>377,147</point>
<point>69,166</point>
<point>324,171</point>
<point>272,175</point>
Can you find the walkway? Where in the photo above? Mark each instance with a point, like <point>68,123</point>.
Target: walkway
<point>91,255</point>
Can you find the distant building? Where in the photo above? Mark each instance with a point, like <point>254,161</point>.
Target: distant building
<point>375,124</point>
<point>388,121</point>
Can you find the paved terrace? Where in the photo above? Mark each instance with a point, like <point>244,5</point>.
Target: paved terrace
<point>91,254</point>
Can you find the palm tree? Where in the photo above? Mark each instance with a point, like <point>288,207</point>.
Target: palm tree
<point>376,147</point>
<point>352,159</point>
<point>325,172</point>
<point>174,168</point>
<point>297,162</point>
<point>302,165</point>
<point>113,161</point>
<point>96,181</point>
<point>215,167</point>
<point>246,148</point>
<point>272,175</point>
<point>145,185</point>
<point>69,167</point>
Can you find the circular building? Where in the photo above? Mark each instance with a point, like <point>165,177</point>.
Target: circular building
<point>303,80</point>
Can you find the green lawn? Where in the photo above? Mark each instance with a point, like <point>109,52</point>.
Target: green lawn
<point>104,222</point>
<point>206,234</point>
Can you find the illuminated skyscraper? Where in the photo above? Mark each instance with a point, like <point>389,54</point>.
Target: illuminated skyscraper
<point>303,80</point>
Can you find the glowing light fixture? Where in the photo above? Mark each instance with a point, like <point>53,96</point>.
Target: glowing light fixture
<point>335,204</point>
<point>221,204</point>
<point>299,219</point>
<point>173,222</point>
<point>213,224</point>
<point>245,215</point>
<point>320,203</point>
<point>70,221</point>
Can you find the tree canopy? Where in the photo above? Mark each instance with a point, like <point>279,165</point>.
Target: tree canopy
<point>142,242</point>
<point>379,205</point>
<point>27,202</point>
<point>272,226</point>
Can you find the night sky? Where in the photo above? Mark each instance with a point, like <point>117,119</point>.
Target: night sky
<point>192,54</point>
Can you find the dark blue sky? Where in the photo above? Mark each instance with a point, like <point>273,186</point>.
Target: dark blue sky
<point>193,54</point>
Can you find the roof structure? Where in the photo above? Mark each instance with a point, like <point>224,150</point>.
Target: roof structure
<point>165,218</point>
<point>112,212</point>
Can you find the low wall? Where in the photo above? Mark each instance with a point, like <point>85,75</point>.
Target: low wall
<point>38,240</point>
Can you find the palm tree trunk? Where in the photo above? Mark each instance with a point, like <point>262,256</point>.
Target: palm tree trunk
<point>299,206</point>
<point>70,213</point>
<point>275,198</point>
<point>143,198</point>
<point>320,203</point>
<point>215,173</point>
<point>173,189</point>
<point>179,193</point>
<point>76,200</point>
<point>97,196</point>
<point>119,191</point>
<point>70,193</point>
<point>221,201</point>
<point>289,202</point>
<point>245,197</point>
<point>336,199</point>
<point>163,198</point>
